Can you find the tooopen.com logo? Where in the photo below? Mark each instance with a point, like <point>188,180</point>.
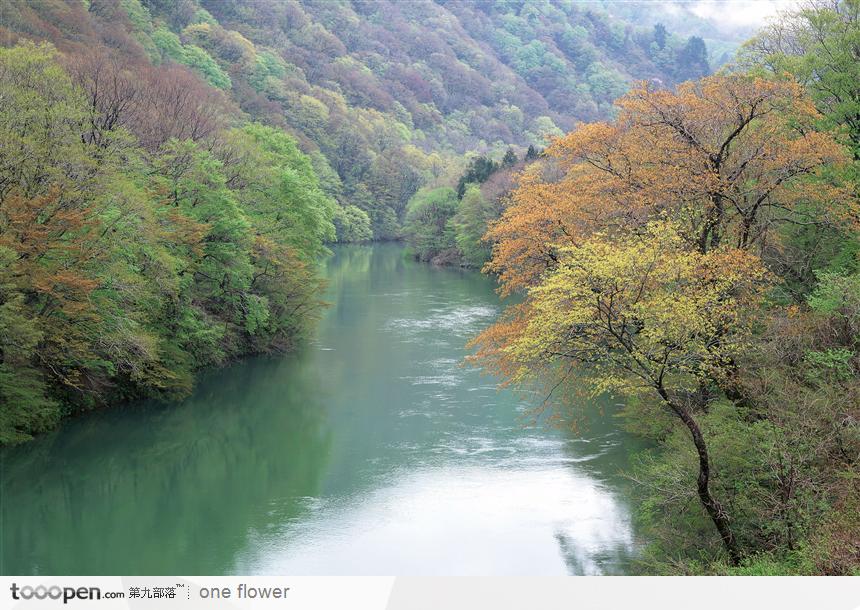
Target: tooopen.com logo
<point>55,592</point>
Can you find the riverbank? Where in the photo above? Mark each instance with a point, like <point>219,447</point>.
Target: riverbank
<point>371,450</point>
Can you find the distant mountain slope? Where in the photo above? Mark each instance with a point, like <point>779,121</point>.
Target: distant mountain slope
<point>724,25</point>
<point>384,95</point>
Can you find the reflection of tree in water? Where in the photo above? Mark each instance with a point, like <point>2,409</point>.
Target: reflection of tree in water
<point>597,433</point>
<point>599,448</point>
<point>168,489</point>
<point>269,450</point>
<point>580,561</point>
<point>344,264</point>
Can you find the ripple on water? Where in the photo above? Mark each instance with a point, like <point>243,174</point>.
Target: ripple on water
<point>459,321</point>
<point>444,380</point>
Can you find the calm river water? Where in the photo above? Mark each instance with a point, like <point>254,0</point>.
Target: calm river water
<point>372,451</point>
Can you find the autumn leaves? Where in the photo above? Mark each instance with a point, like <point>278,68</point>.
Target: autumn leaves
<point>645,246</point>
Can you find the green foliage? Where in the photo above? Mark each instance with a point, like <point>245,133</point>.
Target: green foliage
<point>24,403</point>
<point>37,92</point>
<point>168,44</point>
<point>817,44</point>
<point>759,466</point>
<point>196,58</point>
<point>605,83</point>
<point>138,15</point>
<point>195,185</point>
<point>269,69</point>
<point>427,229</point>
<point>479,169</point>
<point>201,15</point>
<point>543,129</point>
<point>470,224</point>
<point>831,363</point>
<point>123,272</point>
<point>764,564</point>
<point>837,295</point>
<point>352,225</point>
<point>280,190</point>
<point>172,49</point>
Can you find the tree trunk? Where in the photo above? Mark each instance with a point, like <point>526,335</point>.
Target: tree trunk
<point>712,506</point>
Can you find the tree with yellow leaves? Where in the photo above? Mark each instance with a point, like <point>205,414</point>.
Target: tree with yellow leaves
<point>638,246</point>
<point>639,314</point>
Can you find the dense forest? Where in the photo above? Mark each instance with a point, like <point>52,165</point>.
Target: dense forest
<point>383,97</point>
<point>172,170</point>
<point>131,260</point>
<point>697,256</point>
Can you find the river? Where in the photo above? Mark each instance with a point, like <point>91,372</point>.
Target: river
<point>370,451</point>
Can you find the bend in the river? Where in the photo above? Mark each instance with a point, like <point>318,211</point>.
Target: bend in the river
<point>372,451</point>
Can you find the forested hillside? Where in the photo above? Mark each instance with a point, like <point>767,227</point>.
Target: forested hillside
<point>172,171</point>
<point>383,97</point>
<point>698,257</point>
<point>133,257</point>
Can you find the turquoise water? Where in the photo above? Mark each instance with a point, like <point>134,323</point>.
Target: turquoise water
<point>371,451</point>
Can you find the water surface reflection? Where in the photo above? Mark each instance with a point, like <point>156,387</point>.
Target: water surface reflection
<point>373,451</point>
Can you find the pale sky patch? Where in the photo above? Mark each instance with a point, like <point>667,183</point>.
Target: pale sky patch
<point>739,13</point>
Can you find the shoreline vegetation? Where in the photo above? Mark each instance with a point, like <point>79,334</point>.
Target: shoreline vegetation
<point>171,169</point>
<point>683,240</point>
<point>125,268</point>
